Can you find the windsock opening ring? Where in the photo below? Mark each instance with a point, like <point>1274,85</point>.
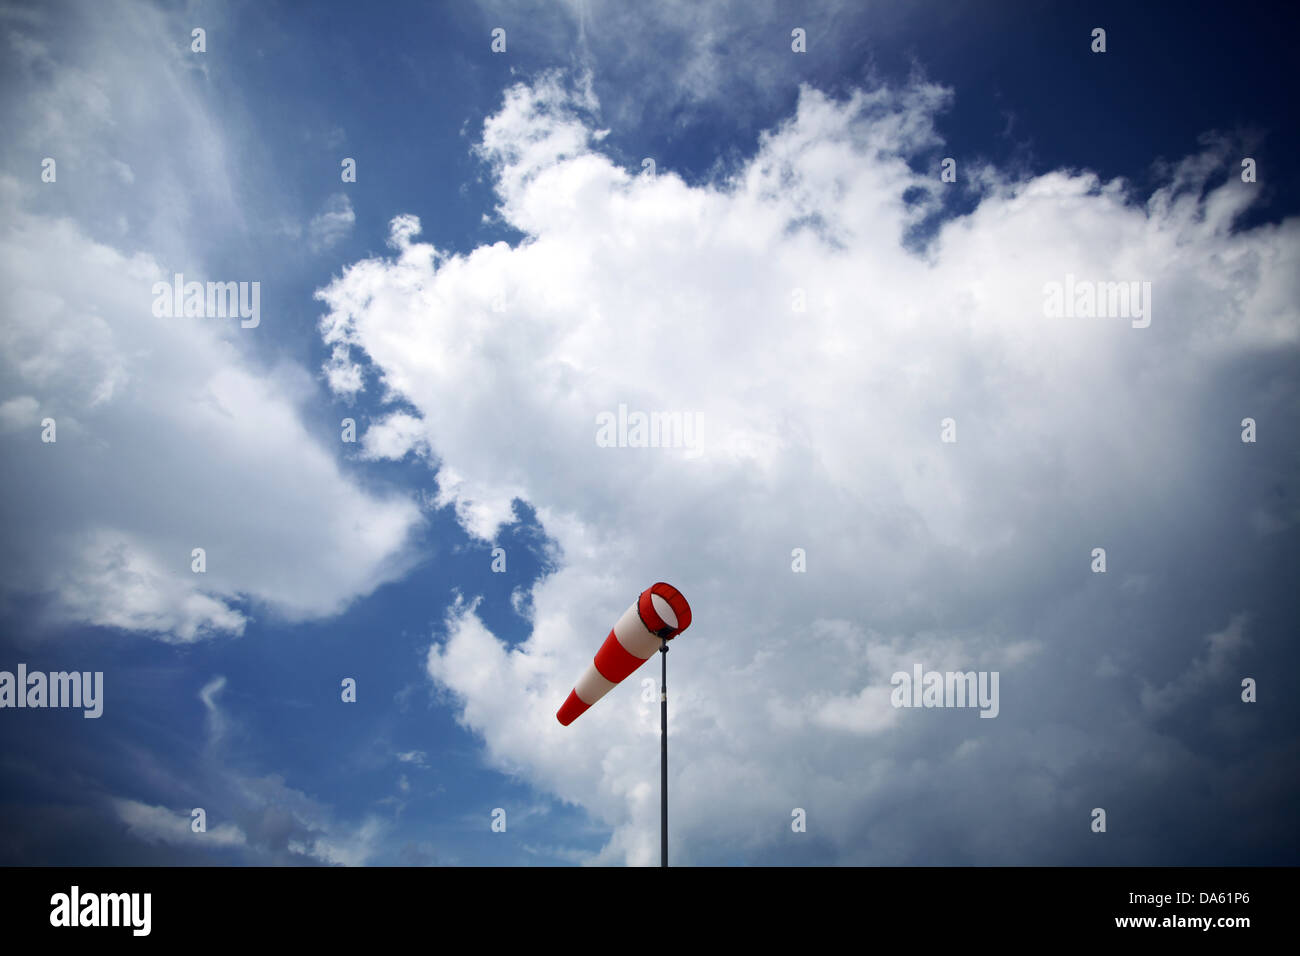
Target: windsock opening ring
<point>663,610</point>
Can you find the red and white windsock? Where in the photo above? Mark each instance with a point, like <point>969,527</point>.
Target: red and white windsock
<point>660,612</point>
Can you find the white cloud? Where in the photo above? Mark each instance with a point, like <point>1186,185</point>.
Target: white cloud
<point>112,94</point>
<point>350,848</point>
<point>155,824</point>
<point>217,723</point>
<point>824,434</point>
<point>81,343</point>
<point>332,224</point>
<point>172,434</point>
<point>394,437</point>
<point>269,820</point>
<point>191,444</point>
<point>672,58</point>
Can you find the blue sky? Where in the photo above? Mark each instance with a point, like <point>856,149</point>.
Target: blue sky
<point>774,171</point>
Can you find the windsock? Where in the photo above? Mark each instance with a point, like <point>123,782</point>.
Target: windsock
<point>660,612</point>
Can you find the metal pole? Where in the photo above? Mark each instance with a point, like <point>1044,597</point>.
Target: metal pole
<point>663,756</point>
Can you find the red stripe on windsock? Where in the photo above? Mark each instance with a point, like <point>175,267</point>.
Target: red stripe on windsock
<point>614,661</point>
<point>573,708</point>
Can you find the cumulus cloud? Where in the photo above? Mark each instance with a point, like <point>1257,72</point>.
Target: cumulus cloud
<point>393,437</point>
<point>171,437</point>
<point>787,306</point>
<point>171,434</point>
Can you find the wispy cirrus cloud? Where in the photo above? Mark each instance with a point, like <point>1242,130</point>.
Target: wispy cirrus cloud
<point>332,224</point>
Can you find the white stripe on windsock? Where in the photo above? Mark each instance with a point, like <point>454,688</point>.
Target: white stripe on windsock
<point>591,686</point>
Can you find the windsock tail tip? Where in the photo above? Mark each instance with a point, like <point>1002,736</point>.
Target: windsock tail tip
<point>573,708</point>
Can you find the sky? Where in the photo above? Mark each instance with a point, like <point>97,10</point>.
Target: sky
<point>825,235</point>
